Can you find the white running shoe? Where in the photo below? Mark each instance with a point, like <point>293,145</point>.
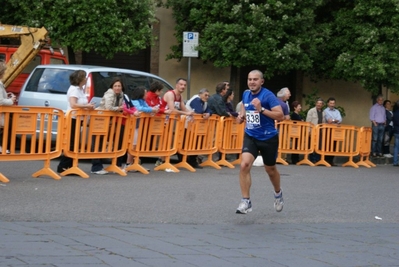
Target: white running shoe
<point>100,172</point>
<point>388,156</point>
<point>279,201</point>
<point>244,207</point>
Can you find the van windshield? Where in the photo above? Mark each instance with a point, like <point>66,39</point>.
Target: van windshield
<point>49,81</point>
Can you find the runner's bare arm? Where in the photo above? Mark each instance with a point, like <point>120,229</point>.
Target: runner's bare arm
<point>276,113</point>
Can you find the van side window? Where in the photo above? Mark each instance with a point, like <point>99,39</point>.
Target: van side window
<point>49,81</point>
<point>103,80</point>
<point>166,87</point>
<point>2,57</point>
<point>132,81</point>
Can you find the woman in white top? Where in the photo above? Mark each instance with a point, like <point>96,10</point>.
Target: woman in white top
<point>76,99</point>
<point>6,99</point>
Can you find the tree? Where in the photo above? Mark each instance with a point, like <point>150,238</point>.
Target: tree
<point>360,43</point>
<point>239,33</point>
<point>340,39</point>
<point>103,26</point>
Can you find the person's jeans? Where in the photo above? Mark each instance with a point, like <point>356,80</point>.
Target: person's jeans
<point>378,135</point>
<point>386,145</point>
<point>396,149</point>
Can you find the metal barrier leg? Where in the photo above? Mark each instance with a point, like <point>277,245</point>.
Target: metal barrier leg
<point>305,161</point>
<point>184,164</point>
<point>209,162</point>
<point>47,171</point>
<point>223,161</point>
<point>166,165</point>
<point>322,161</point>
<point>3,179</point>
<point>364,161</point>
<point>137,167</point>
<point>369,162</point>
<point>280,159</point>
<point>237,161</point>
<point>350,163</point>
<point>75,170</point>
<point>115,169</point>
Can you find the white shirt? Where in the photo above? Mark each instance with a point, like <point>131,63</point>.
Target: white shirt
<point>76,91</point>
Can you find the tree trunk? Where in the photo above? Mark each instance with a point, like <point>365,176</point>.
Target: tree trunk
<point>235,83</point>
<point>71,56</point>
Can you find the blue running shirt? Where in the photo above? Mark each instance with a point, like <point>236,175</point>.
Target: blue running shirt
<point>258,125</point>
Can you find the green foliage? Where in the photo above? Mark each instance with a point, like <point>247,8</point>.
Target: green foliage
<point>241,32</point>
<point>360,43</point>
<point>310,102</point>
<point>103,26</point>
<point>346,40</point>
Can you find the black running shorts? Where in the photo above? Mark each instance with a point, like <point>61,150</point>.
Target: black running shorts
<point>267,148</point>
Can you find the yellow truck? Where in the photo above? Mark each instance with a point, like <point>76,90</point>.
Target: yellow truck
<point>32,50</point>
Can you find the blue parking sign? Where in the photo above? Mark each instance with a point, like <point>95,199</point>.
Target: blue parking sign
<point>190,44</point>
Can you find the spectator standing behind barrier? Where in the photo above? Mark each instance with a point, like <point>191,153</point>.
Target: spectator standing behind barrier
<point>228,101</point>
<point>260,108</point>
<point>377,118</point>
<point>112,100</point>
<point>6,99</point>
<point>199,103</point>
<point>386,141</point>
<point>296,116</point>
<point>216,103</point>
<point>138,97</point>
<point>396,134</point>
<point>154,99</point>
<point>77,99</point>
<point>153,96</point>
<point>332,116</point>
<point>129,110</point>
<point>316,116</point>
<point>172,101</point>
<point>282,96</point>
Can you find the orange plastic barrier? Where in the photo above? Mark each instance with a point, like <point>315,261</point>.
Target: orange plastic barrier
<point>365,139</point>
<point>337,140</point>
<point>199,137</point>
<point>156,137</point>
<point>230,140</point>
<point>295,137</point>
<point>97,137</point>
<point>21,126</point>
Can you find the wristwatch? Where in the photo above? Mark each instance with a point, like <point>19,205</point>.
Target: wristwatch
<point>262,109</point>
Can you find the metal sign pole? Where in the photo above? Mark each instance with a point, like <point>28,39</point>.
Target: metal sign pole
<point>190,44</point>
<point>188,78</point>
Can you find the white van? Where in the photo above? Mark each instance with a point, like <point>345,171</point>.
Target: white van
<point>47,85</point>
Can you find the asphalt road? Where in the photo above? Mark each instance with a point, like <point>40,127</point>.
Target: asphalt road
<point>208,196</point>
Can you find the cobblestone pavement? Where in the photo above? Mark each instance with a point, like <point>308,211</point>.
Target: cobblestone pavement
<point>119,244</point>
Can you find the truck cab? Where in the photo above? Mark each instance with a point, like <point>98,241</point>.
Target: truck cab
<point>44,57</point>
<point>23,48</point>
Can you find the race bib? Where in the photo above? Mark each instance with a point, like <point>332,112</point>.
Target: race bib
<point>252,119</point>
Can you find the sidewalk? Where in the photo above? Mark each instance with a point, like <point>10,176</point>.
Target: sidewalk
<point>118,244</point>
